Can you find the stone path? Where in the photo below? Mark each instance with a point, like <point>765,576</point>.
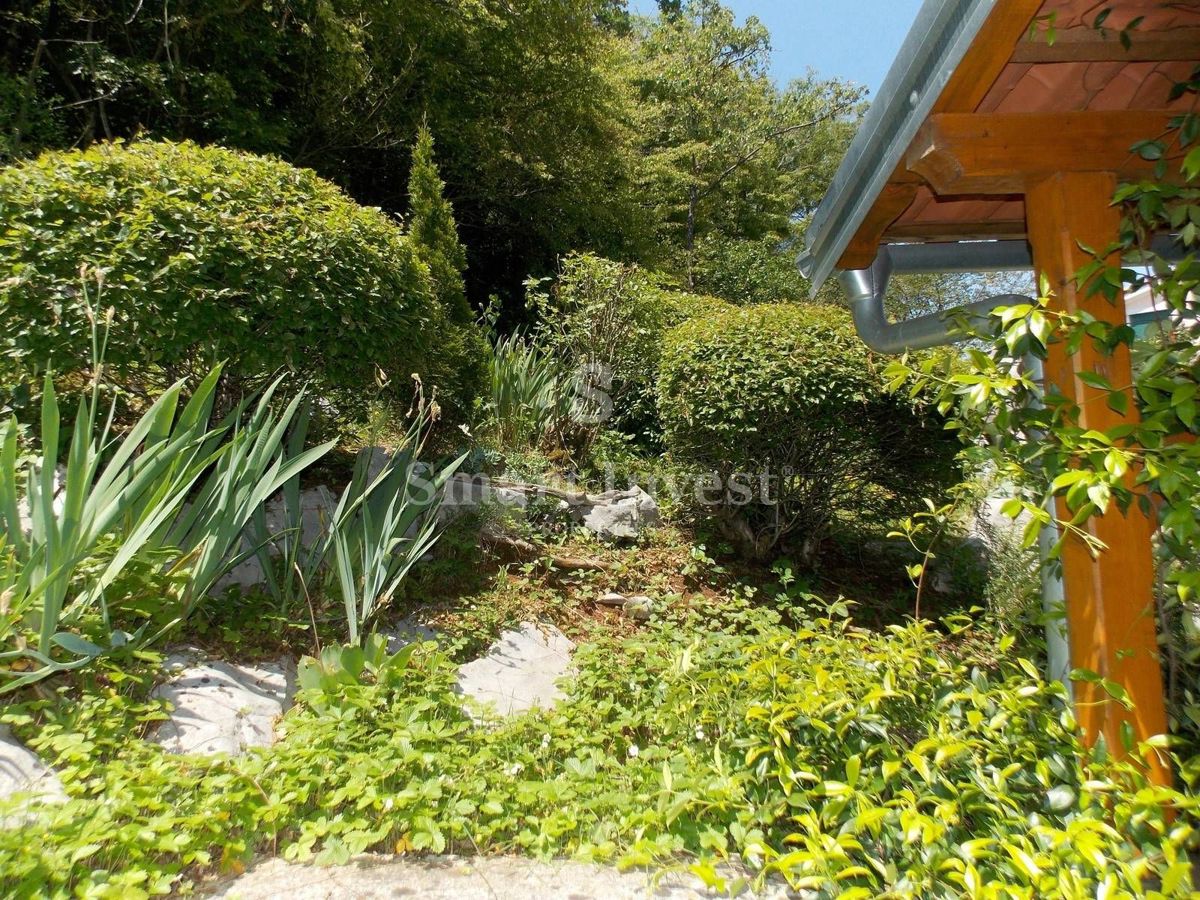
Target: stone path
<point>520,669</point>
<point>219,707</point>
<point>373,877</point>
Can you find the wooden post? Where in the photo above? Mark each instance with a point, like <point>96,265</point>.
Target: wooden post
<point>1110,598</point>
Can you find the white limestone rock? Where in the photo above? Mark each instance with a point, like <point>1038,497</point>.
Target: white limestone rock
<point>520,670</point>
<point>23,511</point>
<point>465,493</point>
<point>22,772</point>
<point>408,631</point>
<point>639,607</point>
<point>317,506</point>
<point>618,515</point>
<point>219,707</point>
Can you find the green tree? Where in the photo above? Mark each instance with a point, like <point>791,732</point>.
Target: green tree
<point>432,228</point>
<point>725,151</point>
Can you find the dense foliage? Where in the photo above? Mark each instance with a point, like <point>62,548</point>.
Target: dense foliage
<point>118,546</point>
<point>532,396</point>
<point>848,762</point>
<point>554,131</point>
<point>611,316</point>
<point>787,408</point>
<point>207,255</point>
<point>644,181</point>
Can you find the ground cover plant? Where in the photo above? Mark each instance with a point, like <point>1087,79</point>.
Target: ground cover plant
<point>849,762</point>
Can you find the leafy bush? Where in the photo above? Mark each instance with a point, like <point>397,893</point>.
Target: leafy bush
<point>851,763</point>
<point>121,504</point>
<point>208,254</point>
<point>790,394</point>
<point>605,312</point>
<point>532,395</point>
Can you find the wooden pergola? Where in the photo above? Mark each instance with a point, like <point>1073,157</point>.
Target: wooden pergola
<point>1012,120</point>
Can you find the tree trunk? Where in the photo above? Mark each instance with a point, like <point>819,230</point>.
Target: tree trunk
<point>689,243</point>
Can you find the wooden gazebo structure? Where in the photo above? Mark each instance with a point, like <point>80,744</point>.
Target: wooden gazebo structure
<point>1008,124</point>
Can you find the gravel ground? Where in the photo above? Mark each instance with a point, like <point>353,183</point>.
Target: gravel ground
<point>458,878</point>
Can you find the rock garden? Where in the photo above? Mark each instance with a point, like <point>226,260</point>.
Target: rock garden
<point>424,472</point>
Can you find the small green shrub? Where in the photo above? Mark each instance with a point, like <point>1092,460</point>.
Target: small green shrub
<point>209,254</point>
<point>532,396</point>
<point>600,311</point>
<point>786,401</point>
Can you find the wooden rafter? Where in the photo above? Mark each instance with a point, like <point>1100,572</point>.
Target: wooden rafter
<point>989,54</point>
<point>1087,44</point>
<point>956,231</point>
<point>893,200</point>
<point>998,153</point>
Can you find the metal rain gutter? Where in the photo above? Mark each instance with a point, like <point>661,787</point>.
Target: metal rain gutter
<point>936,43</point>
<point>866,288</point>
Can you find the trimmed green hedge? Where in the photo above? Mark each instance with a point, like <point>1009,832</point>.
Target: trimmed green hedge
<point>790,393</point>
<point>210,254</point>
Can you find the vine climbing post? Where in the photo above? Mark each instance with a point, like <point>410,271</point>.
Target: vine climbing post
<point>1109,595</point>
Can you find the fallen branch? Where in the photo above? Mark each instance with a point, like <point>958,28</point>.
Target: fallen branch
<point>525,550</point>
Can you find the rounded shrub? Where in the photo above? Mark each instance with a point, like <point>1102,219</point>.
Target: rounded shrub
<point>785,412</point>
<point>205,254</point>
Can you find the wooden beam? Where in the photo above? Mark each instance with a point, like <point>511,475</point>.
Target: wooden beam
<point>1000,153</point>
<point>893,200</point>
<point>987,56</point>
<point>1111,620</point>
<point>955,230</point>
<point>1086,44</point>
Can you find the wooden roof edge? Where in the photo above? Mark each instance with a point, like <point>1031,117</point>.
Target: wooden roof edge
<point>952,55</point>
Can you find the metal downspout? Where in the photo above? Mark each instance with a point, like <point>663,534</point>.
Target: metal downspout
<point>865,290</point>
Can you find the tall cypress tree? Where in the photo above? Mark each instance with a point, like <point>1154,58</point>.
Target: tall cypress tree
<point>434,234</point>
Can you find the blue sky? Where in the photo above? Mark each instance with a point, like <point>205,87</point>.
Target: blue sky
<point>852,39</point>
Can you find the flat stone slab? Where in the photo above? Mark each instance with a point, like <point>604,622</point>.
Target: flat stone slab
<point>218,707</point>
<point>520,669</point>
<point>23,772</point>
<point>409,630</point>
<point>373,877</point>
